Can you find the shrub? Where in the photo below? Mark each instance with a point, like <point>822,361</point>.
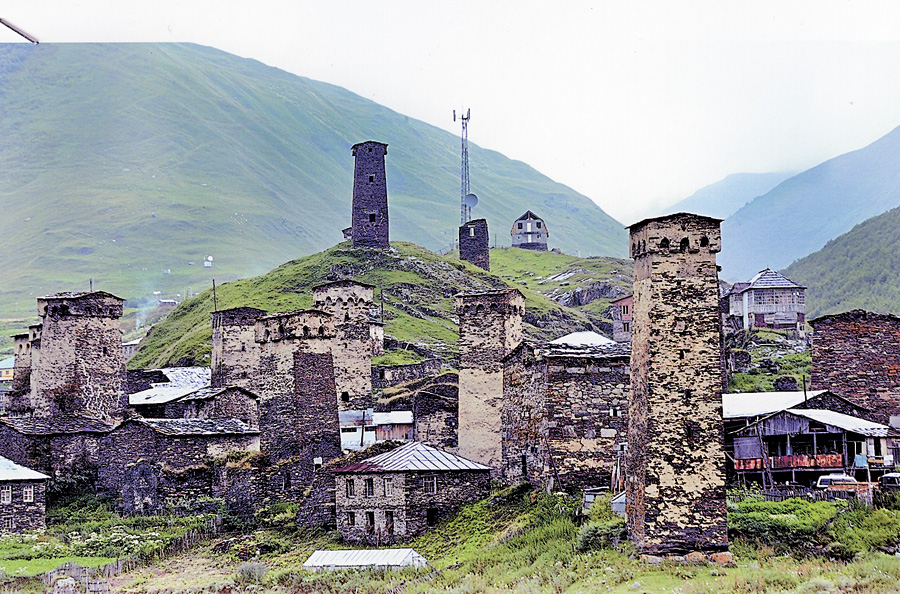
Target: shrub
<point>860,529</point>
<point>887,500</point>
<point>250,573</point>
<point>792,524</point>
<point>600,535</point>
<point>281,514</point>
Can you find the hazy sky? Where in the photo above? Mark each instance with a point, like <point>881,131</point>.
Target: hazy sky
<point>634,104</point>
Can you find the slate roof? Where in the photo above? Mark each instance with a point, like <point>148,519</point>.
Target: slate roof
<point>413,456</point>
<point>210,392</point>
<point>754,404</point>
<point>364,558</point>
<point>600,351</point>
<point>56,425</point>
<point>182,381</point>
<point>199,426</point>
<point>10,471</point>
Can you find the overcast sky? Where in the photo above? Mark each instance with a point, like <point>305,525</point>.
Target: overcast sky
<point>634,104</point>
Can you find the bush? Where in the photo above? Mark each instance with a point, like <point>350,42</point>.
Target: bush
<point>250,573</point>
<point>792,524</point>
<point>600,535</point>
<point>860,529</point>
<point>887,500</point>
<point>278,515</point>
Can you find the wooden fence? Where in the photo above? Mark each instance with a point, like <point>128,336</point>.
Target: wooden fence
<point>863,495</point>
<point>91,576</point>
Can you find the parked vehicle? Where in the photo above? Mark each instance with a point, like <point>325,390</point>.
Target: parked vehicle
<point>889,482</point>
<point>828,480</point>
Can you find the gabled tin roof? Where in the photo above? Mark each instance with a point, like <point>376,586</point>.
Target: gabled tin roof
<point>846,422</point>
<point>768,279</point>
<point>754,404</point>
<point>413,456</point>
<point>10,471</point>
<point>182,381</point>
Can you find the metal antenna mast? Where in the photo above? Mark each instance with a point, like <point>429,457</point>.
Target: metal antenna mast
<point>465,210</point>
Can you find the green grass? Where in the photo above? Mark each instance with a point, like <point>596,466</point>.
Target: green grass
<point>397,357</point>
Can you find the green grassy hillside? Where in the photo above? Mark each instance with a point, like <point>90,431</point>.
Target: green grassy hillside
<point>130,163</point>
<point>858,270</point>
<point>418,295</point>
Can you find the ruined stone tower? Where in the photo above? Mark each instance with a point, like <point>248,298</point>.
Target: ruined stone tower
<point>349,303</point>
<point>474,243</point>
<point>370,203</point>
<point>77,364</point>
<point>298,403</point>
<point>235,356</point>
<point>490,326</point>
<point>675,461</point>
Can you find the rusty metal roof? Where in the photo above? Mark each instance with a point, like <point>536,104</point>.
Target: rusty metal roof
<point>414,456</point>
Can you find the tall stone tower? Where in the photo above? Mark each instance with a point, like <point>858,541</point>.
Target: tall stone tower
<point>675,460</point>
<point>235,356</point>
<point>77,363</point>
<point>474,243</point>
<point>490,326</point>
<point>298,404</point>
<point>370,203</point>
<point>349,303</point>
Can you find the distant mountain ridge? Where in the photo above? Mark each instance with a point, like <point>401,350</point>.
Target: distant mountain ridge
<point>724,197</point>
<point>802,213</point>
<point>131,163</point>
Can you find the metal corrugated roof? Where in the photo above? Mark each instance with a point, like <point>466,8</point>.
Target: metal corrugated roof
<point>599,351</point>
<point>769,279</point>
<point>846,422</point>
<point>584,338</point>
<point>10,471</point>
<point>182,381</point>
<point>754,404</point>
<point>8,362</point>
<point>364,558</point>
<point>394,417</point>
<point>413,456</point>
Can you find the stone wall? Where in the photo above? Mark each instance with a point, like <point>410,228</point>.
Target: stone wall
<point>22,367</point>
<point>235,356</point>
<point>436,416</point>
<point>349,303</point>
<point>490,326</point>
<point>54,454</point>
<point>80,368</point>
<point>675,459</point>
<point>370,201</point>
<point>474,243</point>
<point>524,423</point>
<point>385,376</point>
<point>856,354</point>
<point>19,515</point>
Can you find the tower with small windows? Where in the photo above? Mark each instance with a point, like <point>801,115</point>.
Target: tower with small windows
<point>235,356</point>
<point>474,243</point>
<point>370,202</point>
<point>675,459</point>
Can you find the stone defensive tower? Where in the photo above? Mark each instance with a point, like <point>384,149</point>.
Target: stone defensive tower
<point>77,362</point>
<point>298,403</point>
<point>490,326</point>
<point>675,459</point>
<point>370,202</point>
<point>235,356</point>
<point>474,243</point>
<point>349,303</point>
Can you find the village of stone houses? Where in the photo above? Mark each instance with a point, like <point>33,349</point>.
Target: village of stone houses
<point>615,461</point>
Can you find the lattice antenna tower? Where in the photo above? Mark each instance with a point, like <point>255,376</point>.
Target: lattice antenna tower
<point>465,206</point>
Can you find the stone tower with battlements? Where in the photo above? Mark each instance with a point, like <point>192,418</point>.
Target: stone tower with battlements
<point>235,356</point>
<point>77,365</point>
<point>370,202</point>
<point>298,402</point>
<point>675,459</point>
<point>474,243</point>
<point>490,326</point>
<point>349,303</point>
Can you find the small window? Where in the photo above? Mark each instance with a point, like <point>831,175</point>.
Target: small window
<point>704,241</point>
<point>626,326</point>
<point>615,412</point>
<point>317,463</point>
<point>351,519</point>
<point>389,521</point>
<point>429,484</point>
<point>8,523</point>
<point>370,487</point>
<point>624,310</point>
<point>372,218</point>
<point>371,178</point>
<point>6,494</point>
<point>370,522</point>
<point>524,465</point>
<point>471,231</point>
<point>685,244</point>
<point>388,487</point>
<point>345,396</point>
<point>520,226</point>
<point>431,516</point>
<point>351,488</point>
<point>538,224</point>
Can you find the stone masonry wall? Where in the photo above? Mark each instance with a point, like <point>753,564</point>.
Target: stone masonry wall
<point>235,356</point>
<point>474,243</point>
<point>454,489</point>
<point>385,376</point>
<point>23,515</point>
<point>490,326</point>
<point>856,355</point>
<point>54,454</point>
<point>370,201</point>
<point>524,421</point>
<point>675,460</point>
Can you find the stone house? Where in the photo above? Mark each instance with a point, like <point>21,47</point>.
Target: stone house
<point>857,354</point>
<point>565,415</point>
<point>63,445</point>
<point>401,493</point>
<point>529,232</point>
<point>620,314</point>
<point>769,300</point>
<point>151,391</point>
<point>22,497</point>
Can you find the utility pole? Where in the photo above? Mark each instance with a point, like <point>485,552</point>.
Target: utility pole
<point>465,210</point>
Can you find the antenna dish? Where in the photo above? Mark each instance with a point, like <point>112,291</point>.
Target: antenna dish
<point>470,200</point>
<point>209,258</point>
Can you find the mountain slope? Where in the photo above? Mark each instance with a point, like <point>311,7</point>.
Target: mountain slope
<point>418,289</point>
<point>802,213</point>
<point>859,269</point>
<point>130,163</point>
<point>726,196</point>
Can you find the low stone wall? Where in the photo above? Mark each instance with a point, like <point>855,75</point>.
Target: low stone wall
<point>385,376</point>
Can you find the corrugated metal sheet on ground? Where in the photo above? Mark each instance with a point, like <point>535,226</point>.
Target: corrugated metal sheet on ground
<point>364,558</point>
